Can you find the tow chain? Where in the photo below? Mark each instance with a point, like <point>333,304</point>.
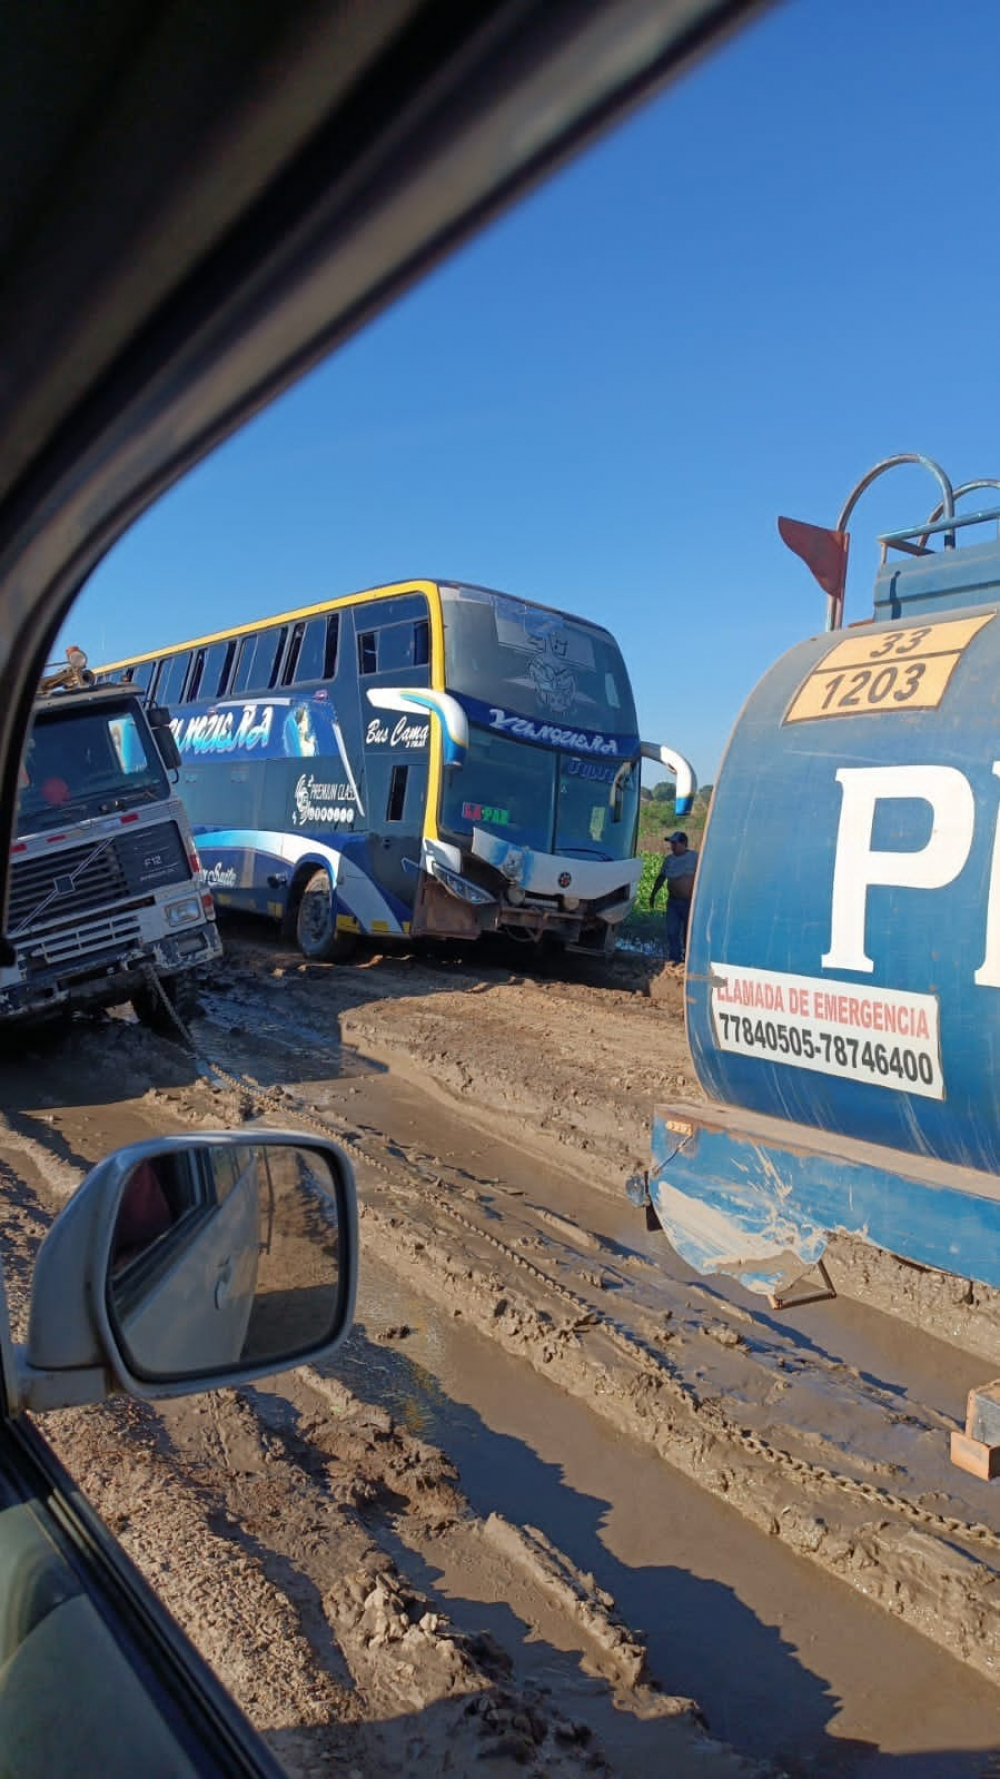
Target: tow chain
<point>710,1414</point>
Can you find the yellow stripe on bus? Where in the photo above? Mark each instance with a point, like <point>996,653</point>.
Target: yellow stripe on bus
<point>305,611</point>
<point>435,763</point>
<point>392,591</point>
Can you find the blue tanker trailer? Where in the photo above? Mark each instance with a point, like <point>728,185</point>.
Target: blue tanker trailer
<point>843,981</point>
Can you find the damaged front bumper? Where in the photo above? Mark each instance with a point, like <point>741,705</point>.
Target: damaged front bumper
<point>494,885</point>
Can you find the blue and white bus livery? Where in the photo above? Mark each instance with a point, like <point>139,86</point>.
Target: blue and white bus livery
<point>424,758</point>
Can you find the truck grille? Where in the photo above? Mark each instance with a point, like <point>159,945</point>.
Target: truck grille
<point>82,878</point>
<point>89,940</point>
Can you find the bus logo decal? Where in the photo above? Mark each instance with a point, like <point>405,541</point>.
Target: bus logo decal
<point>315,802</point>
<point>403,734</point>
<point>582,740</point>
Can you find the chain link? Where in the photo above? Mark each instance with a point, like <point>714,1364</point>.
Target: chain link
<point>711,1414</point>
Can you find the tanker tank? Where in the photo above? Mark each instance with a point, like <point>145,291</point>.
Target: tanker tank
<point>843,974</point>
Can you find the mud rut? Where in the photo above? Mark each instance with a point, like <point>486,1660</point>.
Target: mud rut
<point>556,1488</point>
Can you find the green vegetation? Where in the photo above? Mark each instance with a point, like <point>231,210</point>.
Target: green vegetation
<point>643,926</point>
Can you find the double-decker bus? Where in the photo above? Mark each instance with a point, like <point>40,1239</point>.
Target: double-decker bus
<point>423,758</point>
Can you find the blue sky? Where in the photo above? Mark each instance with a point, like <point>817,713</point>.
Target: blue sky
<point>784,269</point>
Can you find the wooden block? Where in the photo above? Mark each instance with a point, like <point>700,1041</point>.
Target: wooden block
<point>975,1457</point>
<point>982,1419</point>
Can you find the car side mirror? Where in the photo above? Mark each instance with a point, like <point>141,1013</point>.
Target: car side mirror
<point>191,1263</point>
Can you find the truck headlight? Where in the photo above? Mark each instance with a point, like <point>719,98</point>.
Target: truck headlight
<point>181,914</point>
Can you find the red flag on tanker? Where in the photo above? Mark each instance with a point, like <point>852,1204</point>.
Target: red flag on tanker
<point>823,552</point>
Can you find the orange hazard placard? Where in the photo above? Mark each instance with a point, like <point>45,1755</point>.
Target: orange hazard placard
<point>885,670</point>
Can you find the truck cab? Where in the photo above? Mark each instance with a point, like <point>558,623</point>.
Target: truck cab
<point>106,903</point>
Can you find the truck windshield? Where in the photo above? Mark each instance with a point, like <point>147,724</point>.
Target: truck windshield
<point>85,762</point>
<point>536,797</point>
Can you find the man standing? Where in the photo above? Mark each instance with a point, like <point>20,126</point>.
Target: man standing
<point>677,871</point>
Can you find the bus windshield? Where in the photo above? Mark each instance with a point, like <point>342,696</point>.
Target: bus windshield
<point>87,761</point>
<point>536,797</point>
<point>502,652</point>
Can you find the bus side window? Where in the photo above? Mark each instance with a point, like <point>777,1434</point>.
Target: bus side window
<point>332,642</point>
<point>142,675</point>
<point>306,658</point>
<point>271,640</point>
<point>397,794</point>
<point>244,664</point>
<point>395,647</point>
<point>197,674</point>
<point>170,690</point>
<point>226,669</point>
<point>294,652</point>
<point>208,671</point>
<point>367,651</point>
<point>154,680</point>
<point>421,643</point>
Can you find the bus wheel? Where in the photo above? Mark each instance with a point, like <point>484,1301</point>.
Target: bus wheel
<point>182,993</point>
<point>316,923</point>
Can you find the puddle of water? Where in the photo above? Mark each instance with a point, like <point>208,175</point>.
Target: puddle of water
<point>785,1663</point>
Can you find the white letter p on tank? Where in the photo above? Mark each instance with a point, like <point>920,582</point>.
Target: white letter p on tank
<point>856,866</point>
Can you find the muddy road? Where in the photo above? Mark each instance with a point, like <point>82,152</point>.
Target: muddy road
<point>559,1504</point>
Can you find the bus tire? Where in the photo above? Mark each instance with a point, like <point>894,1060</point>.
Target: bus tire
<point>316,922</point>
<point>182,993</point>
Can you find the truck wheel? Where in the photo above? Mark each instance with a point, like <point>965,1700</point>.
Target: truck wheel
<point>182,993</point>
<point>316,923</point>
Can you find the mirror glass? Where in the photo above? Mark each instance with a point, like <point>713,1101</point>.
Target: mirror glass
<point>225,1256</point>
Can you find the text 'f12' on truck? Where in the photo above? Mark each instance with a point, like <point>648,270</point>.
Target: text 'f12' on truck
<point>105,897</point>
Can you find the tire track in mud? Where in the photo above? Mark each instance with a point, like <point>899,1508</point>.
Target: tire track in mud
<point>252,1515</point>
<point>946,1592</point>
<point>580,1240</point>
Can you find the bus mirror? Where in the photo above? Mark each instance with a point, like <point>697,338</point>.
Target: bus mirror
<point>683,771</point>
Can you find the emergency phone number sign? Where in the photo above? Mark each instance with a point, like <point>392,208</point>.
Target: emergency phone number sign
<point>883,1036</point>
<point>885,671</point>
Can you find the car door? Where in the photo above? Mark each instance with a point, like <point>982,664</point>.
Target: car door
<point>95,1676</point>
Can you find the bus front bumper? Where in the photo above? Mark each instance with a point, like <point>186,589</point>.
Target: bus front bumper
<point>498,887</point>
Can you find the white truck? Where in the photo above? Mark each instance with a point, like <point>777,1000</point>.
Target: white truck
<point>106,896</point>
